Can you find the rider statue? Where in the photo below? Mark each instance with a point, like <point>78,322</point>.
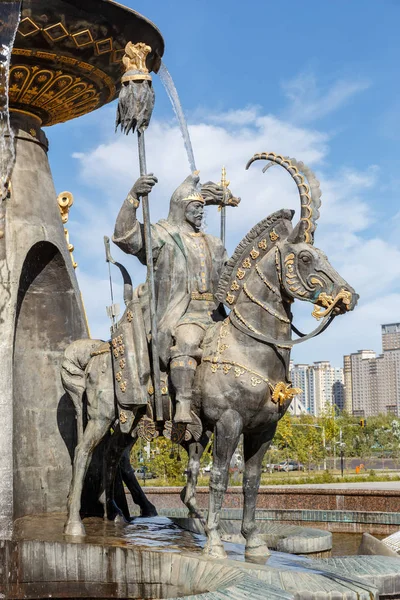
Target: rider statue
<point>187,269</point>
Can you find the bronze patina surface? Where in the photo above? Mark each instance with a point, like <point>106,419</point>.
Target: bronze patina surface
<point>67,56</point>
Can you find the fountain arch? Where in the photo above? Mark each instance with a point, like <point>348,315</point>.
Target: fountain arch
<point>48,317</point>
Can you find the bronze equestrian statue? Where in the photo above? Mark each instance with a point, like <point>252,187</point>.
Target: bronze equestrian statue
<point>241,382</point>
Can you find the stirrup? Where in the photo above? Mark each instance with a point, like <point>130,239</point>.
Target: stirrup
<point>182,412</point>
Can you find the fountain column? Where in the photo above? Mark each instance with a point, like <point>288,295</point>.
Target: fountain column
<point>40,314</point>
<point>65,62</point>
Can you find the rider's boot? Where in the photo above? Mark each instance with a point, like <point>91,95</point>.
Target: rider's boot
<point>183,370</point>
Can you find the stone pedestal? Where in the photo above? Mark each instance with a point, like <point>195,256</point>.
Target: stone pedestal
<point>41,312</point>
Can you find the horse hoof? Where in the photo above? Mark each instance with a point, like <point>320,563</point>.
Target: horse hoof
<point>119,519</point>
<point>257,551</point>
<point>194,514</point>
<point>214,551</point>
<point>75,529</point>
<point>149,513</point>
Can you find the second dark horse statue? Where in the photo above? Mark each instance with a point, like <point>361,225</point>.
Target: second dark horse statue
<point>242,383</point>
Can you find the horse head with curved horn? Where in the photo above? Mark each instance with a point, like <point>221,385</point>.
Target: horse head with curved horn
<point>306,273</point>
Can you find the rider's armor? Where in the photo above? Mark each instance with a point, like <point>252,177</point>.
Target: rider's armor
<point>187,269</point>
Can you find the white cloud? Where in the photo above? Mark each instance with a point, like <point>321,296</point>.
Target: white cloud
<point>308,102</point>
<point>371,264</point>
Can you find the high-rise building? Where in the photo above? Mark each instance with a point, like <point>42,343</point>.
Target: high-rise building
<point>374,381</point>
<point>362,385</point>
<point>321,385</point>
<point>391,336</point>
<point>299,377</point>
<point>348,395</point>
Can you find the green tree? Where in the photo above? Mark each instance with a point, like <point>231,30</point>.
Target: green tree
<point>284,436</point>
<point>166,460</point>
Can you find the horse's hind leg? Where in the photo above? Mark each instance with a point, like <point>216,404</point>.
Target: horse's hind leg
<point>226,437</point>
<point>195,451</point>
<point>254,448</point>
<point>94,432</point>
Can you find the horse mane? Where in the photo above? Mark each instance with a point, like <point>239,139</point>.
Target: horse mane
<point>259,240</point>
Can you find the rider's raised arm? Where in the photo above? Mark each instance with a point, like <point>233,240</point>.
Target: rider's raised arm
<point>128,231</point>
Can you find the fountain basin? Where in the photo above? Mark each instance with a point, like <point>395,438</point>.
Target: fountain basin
<point>66,59</point>
<point>153,558</point>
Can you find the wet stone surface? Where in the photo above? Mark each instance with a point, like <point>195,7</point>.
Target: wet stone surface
<point>156,558</point>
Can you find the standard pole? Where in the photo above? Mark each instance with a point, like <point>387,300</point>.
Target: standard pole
<point>150,283</point>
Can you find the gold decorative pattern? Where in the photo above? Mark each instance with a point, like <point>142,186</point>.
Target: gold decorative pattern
<point>235,286</point>
<point>146,429</point>
<point>246,264</point>
<point>104,46</point>
<point>122,386</point>
<point>254,254</point>
<point>239,370</point>
<point>123,417</point>
<point>253,329</point>
<point>208,297</point>
<point>230,298</point>
<point>52,90</point>
<point>283,392</point>
<point>263,244</point>
<point>176,432</point>
<point>293,282</point>
<point>65,201</point>
<point>329,302</point>
<point>273,236</point>
<point>129,316</point>
<point>28,27</point>
<point>83,38</point>
<point>240,273</point>
<point>264,306</point>
<point>56,32</point>
<point>269,285</point>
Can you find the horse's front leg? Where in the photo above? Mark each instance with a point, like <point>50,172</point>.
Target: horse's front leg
<point>188,495</point>
<point>226,437</point>
<point>93,434</point>
<point>254,448</point>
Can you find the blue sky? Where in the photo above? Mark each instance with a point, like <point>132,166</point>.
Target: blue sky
<point>315,80</point>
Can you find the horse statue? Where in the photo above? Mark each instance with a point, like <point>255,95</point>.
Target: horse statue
<point>242,383</point>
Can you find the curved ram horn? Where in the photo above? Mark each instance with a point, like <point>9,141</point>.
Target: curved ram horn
<point>310,193</point>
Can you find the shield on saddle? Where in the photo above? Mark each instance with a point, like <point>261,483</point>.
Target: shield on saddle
<point>131,363</point>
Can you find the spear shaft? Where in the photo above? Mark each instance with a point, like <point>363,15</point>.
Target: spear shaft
<point>150,283</point>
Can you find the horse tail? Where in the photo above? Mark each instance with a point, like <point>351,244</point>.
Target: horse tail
<point>76,358</point>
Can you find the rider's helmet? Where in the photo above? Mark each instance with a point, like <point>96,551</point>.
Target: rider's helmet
<point>188,191</point>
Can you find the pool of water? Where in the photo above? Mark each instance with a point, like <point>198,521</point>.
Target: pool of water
<point>347,544</point>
